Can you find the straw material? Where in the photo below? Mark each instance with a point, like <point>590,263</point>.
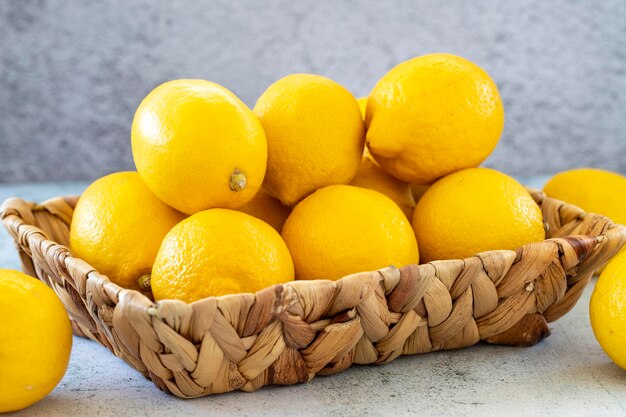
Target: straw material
<point>289,333</point>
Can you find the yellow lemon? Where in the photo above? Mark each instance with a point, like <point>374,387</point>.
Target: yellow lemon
<point>341,229</point>
<point>607,310</point>
<point>475,210</point>
<point>315,135</point>
<point>431,116</point>
<point>362,105</point>
<point>268,209</point>
<point>372,176</point>
<point>197,146</point>
<point>218,252</point>
<point>118,225</point>
<point>35,340</point>
<point>593,190</point>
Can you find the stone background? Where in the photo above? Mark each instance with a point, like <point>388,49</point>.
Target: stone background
<point>72,72</point>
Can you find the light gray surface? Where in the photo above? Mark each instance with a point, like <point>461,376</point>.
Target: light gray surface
<point>566,374</point>
<point>73,72</point>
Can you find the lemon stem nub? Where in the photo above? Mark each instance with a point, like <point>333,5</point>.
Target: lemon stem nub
<point>238,180</point>
<point>144,282</point>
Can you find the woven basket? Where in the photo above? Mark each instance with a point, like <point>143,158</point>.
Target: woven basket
<point>289,333</point>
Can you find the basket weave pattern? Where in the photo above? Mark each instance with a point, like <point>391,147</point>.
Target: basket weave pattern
<point>289,333</point>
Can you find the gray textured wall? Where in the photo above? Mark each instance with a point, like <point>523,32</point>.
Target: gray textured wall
<point>72,72</point>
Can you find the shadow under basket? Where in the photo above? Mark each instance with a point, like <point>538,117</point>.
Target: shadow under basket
<point>287,334</point>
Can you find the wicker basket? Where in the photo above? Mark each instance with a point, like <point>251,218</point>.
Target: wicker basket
<point>289,333</point>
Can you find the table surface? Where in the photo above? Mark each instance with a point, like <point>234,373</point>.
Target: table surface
<point>566,374</point>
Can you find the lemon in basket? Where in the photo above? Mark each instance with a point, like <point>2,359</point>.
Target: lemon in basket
<point>268,209</point>
<point>475,210</point>
<point>431,116</point>
<point>315,135</point>
<point>342,229</point>
<point>118,225</point>
<point>372,176</point>
<point>35,340</point>
<point>197,146</point>
<point>218,252</point>
<point>607,310</point>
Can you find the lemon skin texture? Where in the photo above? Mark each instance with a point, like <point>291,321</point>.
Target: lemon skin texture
<point>315,134</point>
<point>475,210</point>
<point>35,340</point>
<point>431,116</point>
<point>197,146</point>
<point>118,225</point>
<point>268,209</point>
<point>218,252</point>
<point>373,177</point>
<point>607,310</point>
<point>342,229</point>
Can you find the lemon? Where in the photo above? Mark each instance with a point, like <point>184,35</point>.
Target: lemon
<point>218,252</point>
<point>475,210</point>
<point>268,209</point>
<point>35,340</point>
<point>197,146</point>
<point>362,105</point>
<point>373,177</point>
<point>342,229</point>
<point>118,225</point>
<point>315,135</point>
<point>607,310</point>
<point>431,116</point>
<point>593,190</point>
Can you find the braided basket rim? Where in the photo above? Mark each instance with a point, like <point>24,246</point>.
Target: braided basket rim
<point>280,336</point>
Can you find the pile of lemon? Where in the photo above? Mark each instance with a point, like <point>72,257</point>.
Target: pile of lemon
<point>310,184</point>
<point>315,184</point>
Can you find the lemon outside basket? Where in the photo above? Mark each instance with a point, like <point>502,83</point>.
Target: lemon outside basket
<point>289,333</point>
